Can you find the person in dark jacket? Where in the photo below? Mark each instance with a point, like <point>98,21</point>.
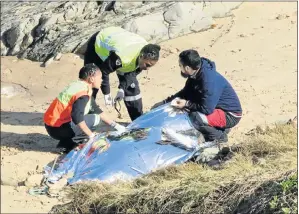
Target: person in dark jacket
<point>116,49</point>
<point>213,105</point>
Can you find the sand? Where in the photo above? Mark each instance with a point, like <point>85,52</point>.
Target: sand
<point>256,50</point>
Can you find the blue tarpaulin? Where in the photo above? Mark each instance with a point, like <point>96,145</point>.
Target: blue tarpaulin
<point>157,139</point>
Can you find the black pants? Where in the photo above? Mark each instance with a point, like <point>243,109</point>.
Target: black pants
<point>64,134</point>
<point>128,80</point>
<point>132,100</point>
<point>213,132</point>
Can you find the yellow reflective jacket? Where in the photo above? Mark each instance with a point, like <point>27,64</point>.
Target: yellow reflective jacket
<point>126,45</point>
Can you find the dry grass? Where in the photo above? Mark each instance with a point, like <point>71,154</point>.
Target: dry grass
<point>195,188</point>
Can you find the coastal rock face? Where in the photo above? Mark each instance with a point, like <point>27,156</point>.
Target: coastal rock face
<point>40,30</point>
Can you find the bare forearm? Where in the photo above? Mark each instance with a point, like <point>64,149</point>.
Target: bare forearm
<point>112,123</point>
<point>106,119</point>
<point>85,128</point>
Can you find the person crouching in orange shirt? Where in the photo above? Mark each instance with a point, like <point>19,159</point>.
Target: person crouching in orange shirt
<point>69,115</point>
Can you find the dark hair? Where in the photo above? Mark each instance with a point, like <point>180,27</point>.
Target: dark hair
<point>190,58</point>
<point>88,70</point>
<point>150,51</point>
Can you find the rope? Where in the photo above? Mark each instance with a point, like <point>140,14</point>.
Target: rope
<point>44,188</point>
<point>46,181</point>
<point>118,110</point>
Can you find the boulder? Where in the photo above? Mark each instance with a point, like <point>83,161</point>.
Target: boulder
<point>39,30</point>
<point>9,181</point>
<point>4,49</point>
<point>122,7</point>
<point>156,33</point>
<point>186,17</point>
<point>219,9</point>
<point>9,90</point>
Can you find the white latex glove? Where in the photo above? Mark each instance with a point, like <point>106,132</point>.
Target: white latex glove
<point>120,95</point>
<point>108,100</point>
<point>174,102</point>
<point>120,128</point>
<point>179,103</point>
<point>93,135</point>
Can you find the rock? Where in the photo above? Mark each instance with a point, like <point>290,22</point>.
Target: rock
<point>125,6</point>
<point>19,37</point>
<point>22,183</point>
<point>14,37</point>
<point>48,62</point>
<point>185,17</point>
<point>9,181</point>
<point>40,30</point>
<point>81,50</point>
<point>4,49</point>
<point>46,23</point>
<point>10,90</point>
<point>156,33</point>
<point>220,9</point>
<point>58,56</point>
<point>34,180</point>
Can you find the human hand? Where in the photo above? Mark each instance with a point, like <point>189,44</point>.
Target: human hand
<point>179,103</point>
<point>108,100</point>
<point>93,134</point>
<point>120,128</point>
<point>120,95</point>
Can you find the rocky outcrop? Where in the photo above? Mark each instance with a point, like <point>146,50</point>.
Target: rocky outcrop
<point>40,30</point>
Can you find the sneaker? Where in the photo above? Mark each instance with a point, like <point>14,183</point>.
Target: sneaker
<point>227,130</point>
<point>67,145</point>
<point>215,164</point>
<point>223,138</point>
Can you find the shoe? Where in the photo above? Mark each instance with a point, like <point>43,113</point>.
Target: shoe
<point>221,158</point>
<point>215,164</point>
<point>227,130</point>
<point>223,138</point>
<point>67,145</point>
